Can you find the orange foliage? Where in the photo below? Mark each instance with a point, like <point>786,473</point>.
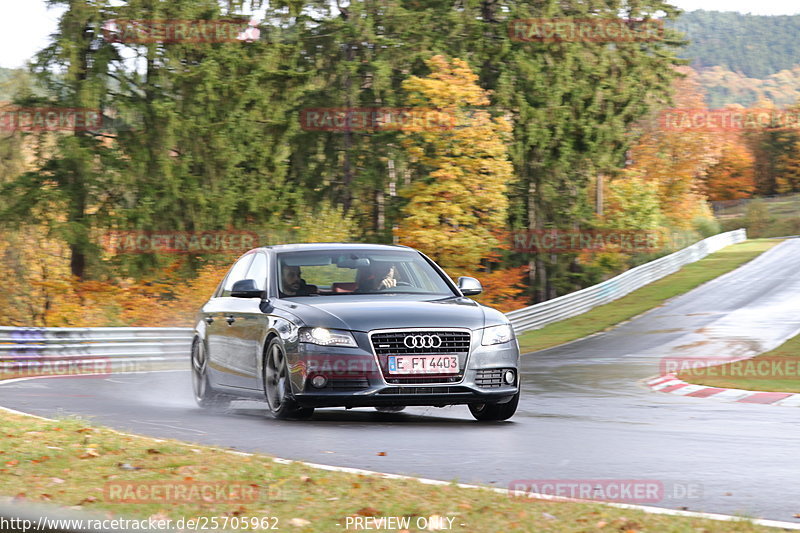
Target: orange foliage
<point>503,289</point>
<point>733,175</point>
<point>677,160</point>
<point>36,289</point>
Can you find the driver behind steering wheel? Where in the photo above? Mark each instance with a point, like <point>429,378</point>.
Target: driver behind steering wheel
<point>378,277</point>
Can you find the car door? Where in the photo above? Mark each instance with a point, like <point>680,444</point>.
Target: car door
<point>245,333</point>
<point>219,331</point>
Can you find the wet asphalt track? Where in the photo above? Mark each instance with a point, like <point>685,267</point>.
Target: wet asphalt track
<point>582,414</point>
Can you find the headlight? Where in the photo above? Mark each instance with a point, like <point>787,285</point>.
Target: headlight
<point>327,337</point>
<point>497,334</point>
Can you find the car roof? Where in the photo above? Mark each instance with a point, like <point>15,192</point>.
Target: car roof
<point>299,247</point>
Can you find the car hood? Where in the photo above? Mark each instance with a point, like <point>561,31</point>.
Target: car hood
<point>365,313</point>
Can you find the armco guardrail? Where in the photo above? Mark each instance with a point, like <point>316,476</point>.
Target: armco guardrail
<point>576,303</point>
<point>53,351</point>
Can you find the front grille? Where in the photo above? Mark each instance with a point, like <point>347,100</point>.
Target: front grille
<point>445,342</point>
<point>490,378</point>
<point>449,342</point>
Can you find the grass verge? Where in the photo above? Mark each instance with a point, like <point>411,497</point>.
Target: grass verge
<point>652,295</point>
<point>774,371</point>
<point>70,463</point>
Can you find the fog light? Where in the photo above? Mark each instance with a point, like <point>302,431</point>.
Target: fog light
<point>319,381</point>
<point>509,377</point>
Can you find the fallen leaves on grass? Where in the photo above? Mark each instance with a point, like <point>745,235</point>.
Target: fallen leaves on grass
<point>89,453</point>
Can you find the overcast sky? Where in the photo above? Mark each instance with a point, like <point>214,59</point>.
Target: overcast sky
<point>26,24</point>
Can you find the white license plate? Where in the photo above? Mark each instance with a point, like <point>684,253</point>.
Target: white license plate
<point>423,364</point>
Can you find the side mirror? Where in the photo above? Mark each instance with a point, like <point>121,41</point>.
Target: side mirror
<point>246,288</point>
<point>469,286</point>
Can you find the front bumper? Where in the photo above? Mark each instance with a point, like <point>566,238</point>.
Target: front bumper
<point>355,379</point>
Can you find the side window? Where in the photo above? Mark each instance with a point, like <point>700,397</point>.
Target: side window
<point>258,271</point>
<point>237,273</point>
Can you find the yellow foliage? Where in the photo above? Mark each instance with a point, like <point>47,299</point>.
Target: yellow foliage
<point>452,212</point>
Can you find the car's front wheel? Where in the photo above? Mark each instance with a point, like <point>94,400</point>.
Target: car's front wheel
<point>487,412</point>
<point>204,393</point>
<point>277,387</point>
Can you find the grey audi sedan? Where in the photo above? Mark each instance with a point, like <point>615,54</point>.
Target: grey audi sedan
<point>352,325</point>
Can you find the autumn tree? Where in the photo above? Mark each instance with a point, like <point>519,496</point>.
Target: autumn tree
<point>676,159</point>
<point>631,203</point>
<point>732,176</point>
<point>461,195</point>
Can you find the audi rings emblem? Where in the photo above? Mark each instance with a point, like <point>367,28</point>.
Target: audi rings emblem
<point>423,341</point>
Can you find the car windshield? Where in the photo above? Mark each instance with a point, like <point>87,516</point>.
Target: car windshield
<point>342,272</point>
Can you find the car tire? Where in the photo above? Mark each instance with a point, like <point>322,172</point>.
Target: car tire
<point>494,412</point>
<point>390,408</point>
<point>277,386</point>
<point>204,393</point>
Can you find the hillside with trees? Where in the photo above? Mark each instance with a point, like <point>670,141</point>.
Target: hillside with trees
<point>743,59</point>
<point>755,46</point>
